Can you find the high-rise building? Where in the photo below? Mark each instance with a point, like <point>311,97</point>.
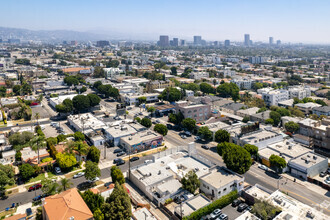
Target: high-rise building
<point>0,40</point>
<point>247,39</point>
<point>163,41</point>
<point>102,43</point>
<point>183,43</point>
<point>14,41</point>
<point>197,40</point>
<point>74,43</point>
<point>271,40</point>
<point>278,42</point>
<point>227,43</point>
<point>175,42</point>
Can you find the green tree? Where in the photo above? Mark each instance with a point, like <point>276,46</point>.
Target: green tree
<point>161,129</point>
<point>269,121</point>
<point>291,126</point>
<point>98,215</point>
<point>98,72</point>
<point>222,147</point>
<point>78,136</point>
<point>146,122</point>
<point>65,184</point>
<point>170,94</point>
<point>20,138</point>
<point>92,200</point>
<point>151,109</point>
<point>246,119</point>
<point>193,87</point>
<point>118,205</point>
<point>65,160</point>
<point>176,118</point>
<point>276,117</point>
<point>264,210</point>
<point>189,124</point>
<point>81,102</point>
<point>173,71</point>
<point>283,111</point>
<point>142,99</point>
<point>94,154</point>
<point>190,182</point>
<point>277,162</point>
<point>206,88</point>
<point>49,186</point>
<point>92,170</point>
<point>138,119</point>
<point>257,85</point>
<point>205,133</point>
<point>71,80</point>
<point>252,149</point>
<point>236,158</point>
<point>97,84</point>
<point>18,156</point>
<point>6,176</point>
<point>226,90</point>
<point>116,175</point>
<point>321,102</point>
<point>221,136</point>
<point>94,99</point>
<point>26,171</point>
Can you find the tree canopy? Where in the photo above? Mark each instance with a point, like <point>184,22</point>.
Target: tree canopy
<point>92,170</point>
<point>190,182</point>
<point>117,175</point>
<point>92,200</point>
<point>252,149</point>
<point>222,136</point>
<point>161,129</point>
<point>81,102</point>
<point>6,176</point>
<point>206,88</point>
<point>189,124</point>
<point>65,160</point>
<point>78,136</point>
<point>94,154</point>
<point>277,162</point>
<point>146,122</point>
<point>205,133</point>
<point>291,126</point>
<point>228,90</point>
<point>170,94</point>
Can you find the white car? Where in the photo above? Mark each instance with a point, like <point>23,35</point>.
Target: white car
<point>80,174</point>
<point>147,161</point>
<point>263,167</point>
<point>57,170</point>
<point>94,180</point>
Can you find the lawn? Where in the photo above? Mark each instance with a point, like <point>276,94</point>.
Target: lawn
<point>11,192</point>
<point>5,213</point>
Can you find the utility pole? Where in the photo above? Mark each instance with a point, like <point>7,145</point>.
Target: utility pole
<point>129,162</point>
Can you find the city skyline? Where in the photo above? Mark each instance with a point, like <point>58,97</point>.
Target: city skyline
<point>294,21</point>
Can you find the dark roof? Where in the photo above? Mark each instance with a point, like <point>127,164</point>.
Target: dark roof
<point>322,109</point>
<point>234,106</point>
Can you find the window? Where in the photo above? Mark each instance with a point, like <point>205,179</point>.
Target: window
<point>200,109</point>
<point>224,189</point>
<point>195,110</point>
<point>189,111</point>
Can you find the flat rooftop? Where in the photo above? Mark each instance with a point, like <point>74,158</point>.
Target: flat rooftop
<point>141,136</point>
<point>192,205</point>
<point>121,130</point>
<point>307,160</point>
<point>255,137</point>
<point>220,177</point>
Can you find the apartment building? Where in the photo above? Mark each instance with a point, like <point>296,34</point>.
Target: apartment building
<point>299,92</point>
<point>112,73</point>
<point>275,96</point>
<point>243,83</point>
<point>199,75</point>
<point>159,84</point>
<point>133,98</point>
<point>199,112</point>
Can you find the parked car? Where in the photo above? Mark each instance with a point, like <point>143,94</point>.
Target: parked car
<point>241,207</point>
<point>323,174</point>
<point>169,126</point>
<point>35,187</point>
<point>223,216</point>
<point>120,153</point>
<point>197,138</point>
<point>187,133</point>
<point>328,170</point>
<point>121,162</point>
<point>28,211</point>
<point>134,159</point>
<point>205,147</point>
<point>116,160</point>
<point>327,180</point>
<point>140,113</point>
<point>107,184</point>
<point>129,108</point>
<point>37,198</point>
<point>94,180</point>
<point>183,136</point>
<point>57,170</point>
<point>117,150</point>
<point>215,213</point>
<point>157,121</point>
<point>236,202</point>
<point>77,175</point>
<point>147,161</point>
<point>263,167</point>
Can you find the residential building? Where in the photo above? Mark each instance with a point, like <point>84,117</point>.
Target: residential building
<point>323,110</point>
<point>220,181</point>
<point>8,101</point>
<point>112,73</point>
<point>133,98</point>
<point>198,112</point>
<point>198,75</point>
<point>59,99</point>
<point>257,60</point>
<point>299,92</point>
<point>261,116</point>
<point>85,123</point>
<point>66,205</point>
<point>233,107</point>
<point>191,205</point>
<point>247,112</point>
<point>158,84</point>
<point>243,83</point>
<point>308,107</point>
<point>275,96</point>
<point>8,157</point>
<point>31,157</point>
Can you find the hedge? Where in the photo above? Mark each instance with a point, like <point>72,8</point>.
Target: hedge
<point>217,204</point>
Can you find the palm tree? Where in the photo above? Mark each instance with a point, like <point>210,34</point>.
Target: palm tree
<point>37,142</point>
<point>37,116</point>
<point>65,184</point>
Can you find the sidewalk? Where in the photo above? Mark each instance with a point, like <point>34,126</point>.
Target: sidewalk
<point>317,189</point>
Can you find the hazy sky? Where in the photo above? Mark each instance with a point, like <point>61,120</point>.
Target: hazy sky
<point>288,20</point>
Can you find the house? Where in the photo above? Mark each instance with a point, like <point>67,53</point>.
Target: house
<point>141,141</point>
<point>66,205</point>
<point>232,108</point>
<point>261,116</point>
<point>17,217</point>
<point>220,181</point>
<point>31,157</point>
<point>191,205</point>
<point>275,96</point>
<point>247,112</point>
<point>323,110</point>
<point>143,213</point>
<point>133,98</point>
<point>158,84</point>
<point>9,156</point>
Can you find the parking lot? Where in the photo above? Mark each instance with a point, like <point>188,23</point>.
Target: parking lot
<point>42,112</point>
<point>51,131</point>
<point>231,212</point>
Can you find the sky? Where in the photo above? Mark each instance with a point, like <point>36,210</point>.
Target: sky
<point>306,21</point>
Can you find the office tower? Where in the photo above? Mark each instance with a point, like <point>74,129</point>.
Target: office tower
<point>0,40</point>
<point>175,42</point>
<point>278,42</point>
<point>227,43</point>
<point>271,40</point>
<point>183,43</point>
<point>197,40</point>
<point>164,41</point>
<point>74,43</point>
<point>14,41</point>
<point>247,39</point>
<point>102,43</point>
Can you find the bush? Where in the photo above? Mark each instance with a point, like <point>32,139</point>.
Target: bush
<point>217,204</point>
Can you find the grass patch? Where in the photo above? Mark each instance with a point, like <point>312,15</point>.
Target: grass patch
<point>51,175</point>
<point>10,186</point>
<point>99,182</point>
<point>70,175</point>
<point>11,192</point>
<point>41,176</point>
<point>5,213</point>
<point>101,188</point>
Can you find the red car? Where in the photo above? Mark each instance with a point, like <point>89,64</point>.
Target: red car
<point>35,187</point>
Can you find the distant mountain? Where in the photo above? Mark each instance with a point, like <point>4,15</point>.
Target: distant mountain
<point>49,36</point>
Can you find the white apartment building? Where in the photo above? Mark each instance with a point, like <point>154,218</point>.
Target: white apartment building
<point>299,92</point>
<point>228,72</point>
<point>275,96</point>
<point>112,73</point>
<point>133,98</point>
<point>243,83</point>
<point>199,75</point>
